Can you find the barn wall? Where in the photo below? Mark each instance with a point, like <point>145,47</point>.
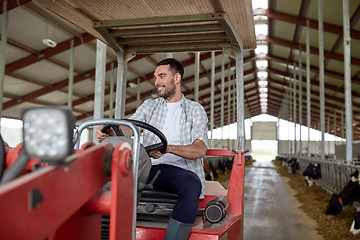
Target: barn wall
<point>217,143</point>
<point>264,131</point>
<point>341,151</point>
<point>315,146</point>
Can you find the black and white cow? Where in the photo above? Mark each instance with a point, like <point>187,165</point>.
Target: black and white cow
<point>350,193</point>
<point>283,160</point>
<point>311,173</point>
<point>355,226</point>
<point>293,165</point>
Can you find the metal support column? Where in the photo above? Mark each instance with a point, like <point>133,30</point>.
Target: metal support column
<point>347,74</point>
<point>308,96</point>
<point>235,143</point>
<point>342,122</point>
<point>197,76</point>
<point>229,104</point>
<point>328,130</point>
<point>239,59</point>
<point>111,97</point>
<point>300,99</point>
<point>212,99</point>
<point>321,77</point>
<point>99,81</point>
<point>278,132</point>
<point>120,87</point>
<point>222,99</point>
<point>290,115</point>
<point>335,134</point>
<point>71,74</point>
<point>294,109</point>
<point>138,91</point>
<point>335,130</point>
<point>2,53</point>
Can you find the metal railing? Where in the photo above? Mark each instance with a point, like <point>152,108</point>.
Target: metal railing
<point>335,173</point>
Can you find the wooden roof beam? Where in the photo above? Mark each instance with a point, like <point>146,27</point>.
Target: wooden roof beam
<point>312,23</point>
<point>12,4</point>
<point>302,12</point>
<point>46,53</point>
<point>313,83</point>
<point>313,50</point>
<point>56,86</point>
<point>315,103</point>
<point>327,72</point>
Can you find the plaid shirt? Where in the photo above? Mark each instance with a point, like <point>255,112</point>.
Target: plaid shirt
<point>193,126</point>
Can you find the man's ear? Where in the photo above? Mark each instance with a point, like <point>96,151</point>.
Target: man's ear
<point>177,78</point>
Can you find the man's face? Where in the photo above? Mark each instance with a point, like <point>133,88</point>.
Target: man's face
<point>165,81</point>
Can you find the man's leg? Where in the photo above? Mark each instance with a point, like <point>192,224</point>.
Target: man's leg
<point>187,186</point>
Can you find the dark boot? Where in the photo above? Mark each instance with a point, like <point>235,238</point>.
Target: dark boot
<point>177,230</point>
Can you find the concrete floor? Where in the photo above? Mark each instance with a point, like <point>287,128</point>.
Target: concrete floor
<point>271,211</point>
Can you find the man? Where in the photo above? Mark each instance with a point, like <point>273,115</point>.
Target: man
<point>184,124</point>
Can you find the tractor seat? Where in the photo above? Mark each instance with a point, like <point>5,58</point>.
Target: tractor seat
<point>156,205</point>
<point>158,196</point>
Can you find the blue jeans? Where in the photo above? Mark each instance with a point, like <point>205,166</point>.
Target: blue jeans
<point>186,184</point>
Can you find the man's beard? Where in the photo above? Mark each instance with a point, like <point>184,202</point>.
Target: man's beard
<point>168,92</point>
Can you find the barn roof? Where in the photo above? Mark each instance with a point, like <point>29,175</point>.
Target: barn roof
<point>36,74</point>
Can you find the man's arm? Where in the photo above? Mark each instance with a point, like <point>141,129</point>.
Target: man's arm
<point>192,151</point>
<point>100,136</point>
<point>139,115</point>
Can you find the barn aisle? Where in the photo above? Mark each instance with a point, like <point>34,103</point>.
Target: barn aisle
<point>271,211</point>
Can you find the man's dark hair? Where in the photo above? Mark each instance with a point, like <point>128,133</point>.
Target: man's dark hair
<point>175,65</point>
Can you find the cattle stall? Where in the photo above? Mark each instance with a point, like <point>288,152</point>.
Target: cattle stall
<point>335,173</point>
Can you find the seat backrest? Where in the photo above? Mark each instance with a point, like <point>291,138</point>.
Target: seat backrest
<point>144,160</point>
<point>156,196</point>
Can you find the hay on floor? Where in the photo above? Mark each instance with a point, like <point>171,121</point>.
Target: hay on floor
<point>314,202</point>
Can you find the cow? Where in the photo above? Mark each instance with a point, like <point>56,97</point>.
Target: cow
<point>248,159</point>
<point>207,170</point>
<point>293,165</point>
<point>215,164</point>
<point>311,173</point>
<point>350,193</point>
<point>355,226</point>
<point>283,160</point>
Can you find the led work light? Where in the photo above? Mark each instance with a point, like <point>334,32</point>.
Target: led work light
<point>47,133</point>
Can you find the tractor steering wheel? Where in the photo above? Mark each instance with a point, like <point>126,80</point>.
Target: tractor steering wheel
<point>157,146</point>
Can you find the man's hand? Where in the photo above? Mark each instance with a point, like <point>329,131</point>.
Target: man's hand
<point>100,136</point>
<point>156,154</point>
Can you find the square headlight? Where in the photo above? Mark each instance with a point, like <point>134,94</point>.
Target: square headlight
<point>48,133</point>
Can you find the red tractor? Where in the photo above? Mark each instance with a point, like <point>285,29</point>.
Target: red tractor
<point>51,191</point>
